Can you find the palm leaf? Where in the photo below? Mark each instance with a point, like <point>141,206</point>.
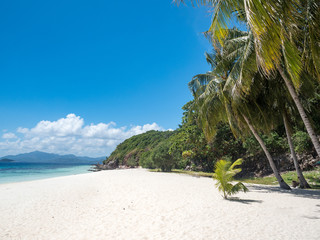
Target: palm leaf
<point>224,173</point>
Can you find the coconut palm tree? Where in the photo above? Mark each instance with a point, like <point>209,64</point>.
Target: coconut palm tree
<point>302,181</point>
<point>286,38</point>
<point>215,103</point>
<point>214,106</point>
<point>276,102</point>
<point>280,29</point>
<point>278,107</point>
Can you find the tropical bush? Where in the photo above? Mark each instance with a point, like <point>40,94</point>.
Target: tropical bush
<point>146,161</point>
<point>274,142</point>
<point>132,162</point>
<point>224,173</point>
<point>162,158</point>
<point>301,141</point>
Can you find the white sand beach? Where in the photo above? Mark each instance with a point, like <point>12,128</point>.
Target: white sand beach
<point>137,204</point>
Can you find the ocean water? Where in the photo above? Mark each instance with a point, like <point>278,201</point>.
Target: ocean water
<point>19,171</point>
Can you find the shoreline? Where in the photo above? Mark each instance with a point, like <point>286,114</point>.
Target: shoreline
<point>17,175</point>
<point>138,204</point>
<point>44,179</point>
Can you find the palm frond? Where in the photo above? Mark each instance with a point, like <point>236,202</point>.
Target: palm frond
<point>224,173</point>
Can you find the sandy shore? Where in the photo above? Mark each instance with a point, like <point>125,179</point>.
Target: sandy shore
<point>137,204</point>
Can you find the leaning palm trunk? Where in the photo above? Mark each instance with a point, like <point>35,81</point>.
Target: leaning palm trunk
<point>302,113</point>
<point>280,180</point>
<point>302,180</point>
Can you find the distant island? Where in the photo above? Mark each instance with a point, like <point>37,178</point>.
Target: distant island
<point>43,157</point>
<point>6,160</point>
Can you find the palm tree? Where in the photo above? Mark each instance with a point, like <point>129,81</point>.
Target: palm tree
<point>277,104</point>
<point>302,181</point>
<point>215,103</point>
<point>276,99</point>
<point>224,173</point>
<point>280,29</point>
<point>302,112</point>
<point>286,37</point>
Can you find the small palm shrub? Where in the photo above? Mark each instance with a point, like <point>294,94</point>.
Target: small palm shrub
<point>224,173</point>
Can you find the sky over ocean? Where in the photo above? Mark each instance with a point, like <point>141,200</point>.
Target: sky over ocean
<point>81,76</point>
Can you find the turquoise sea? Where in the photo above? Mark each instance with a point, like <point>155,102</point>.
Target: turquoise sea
<point>19,171</point>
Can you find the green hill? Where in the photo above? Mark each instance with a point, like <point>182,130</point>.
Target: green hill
<point>131,151</point>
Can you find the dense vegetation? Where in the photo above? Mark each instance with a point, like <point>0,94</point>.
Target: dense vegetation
<point>184,147</point>
<point>261,95</point>
<point>136,150</point>
<point>187,147</point>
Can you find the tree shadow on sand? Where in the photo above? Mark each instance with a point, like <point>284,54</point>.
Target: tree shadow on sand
<point>244,201</point>
<point>304,193</point>
<point>311,217</point>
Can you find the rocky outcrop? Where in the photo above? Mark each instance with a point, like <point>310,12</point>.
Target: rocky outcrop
<point>108,166</point>
<point>112,165</point>
<point>307,161</point>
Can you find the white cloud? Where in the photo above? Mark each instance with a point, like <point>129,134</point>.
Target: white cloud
<point>71,125</point>
<point>9,135</point>
<point>71,135</point>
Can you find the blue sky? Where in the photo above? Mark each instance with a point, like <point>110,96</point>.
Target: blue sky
<point>121,62</point>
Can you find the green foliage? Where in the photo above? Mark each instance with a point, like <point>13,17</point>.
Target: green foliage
<point>188,146</point>
<point>182,163</point>
<point>274,142</point>
<point>224,173</point>
<point>131,162</point>
<point>251,145</point>
<point>190,138</point>
<point>187,154</point>
<point>225,145</point>
<point>252,71</point>
<point>132,148</point>
<point>313,102</point>
<point>301,141</point>
<point>280,34</point>
<point>162,158</point>
<point>146,161</point>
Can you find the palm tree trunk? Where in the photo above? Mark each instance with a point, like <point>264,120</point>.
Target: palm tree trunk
<point>302,180</point>
<point>302,113</point>
<point>281,182</point>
